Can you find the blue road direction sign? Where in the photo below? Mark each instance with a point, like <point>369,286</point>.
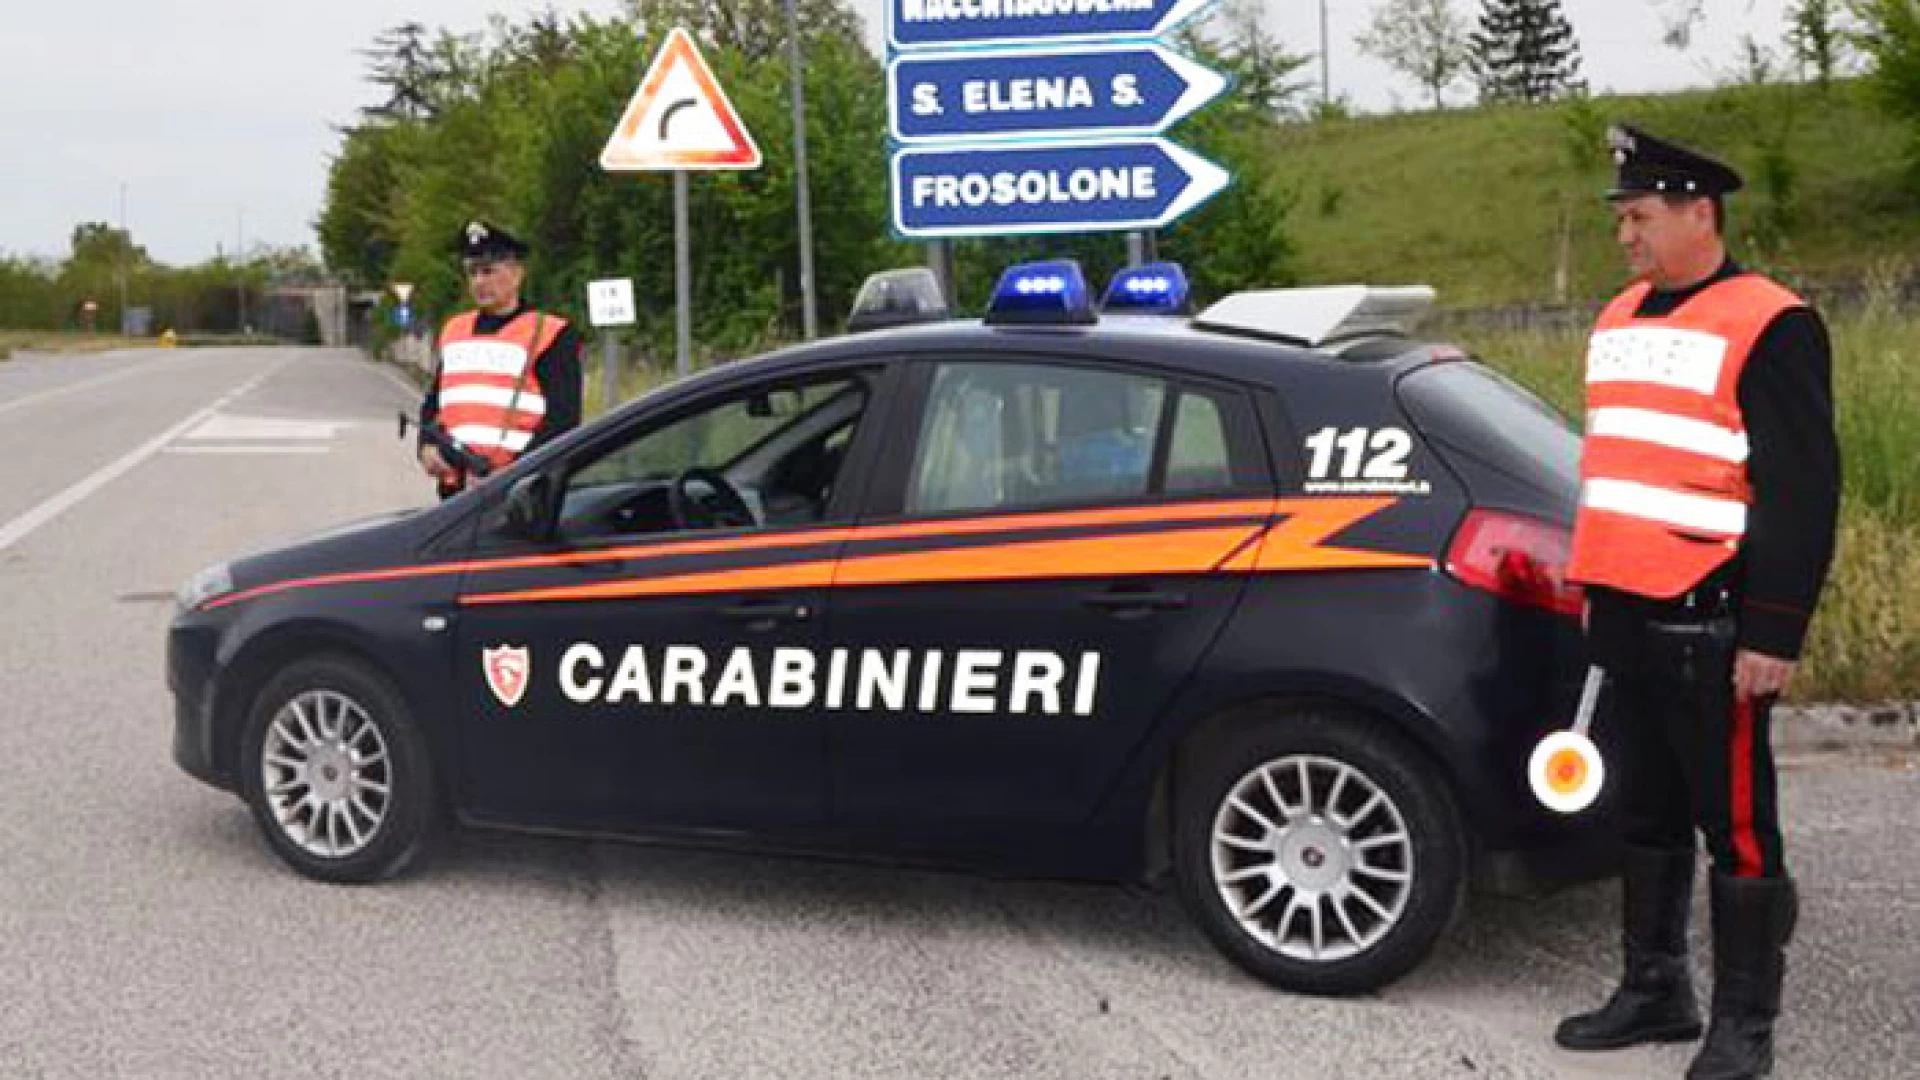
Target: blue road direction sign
<point>931,24</point>
<point>1048,188</point>
<point>1090,91</point>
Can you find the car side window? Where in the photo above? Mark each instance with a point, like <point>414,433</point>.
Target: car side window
<point>999,436</point>
<point>764,457</point>
<point>1198,458</point>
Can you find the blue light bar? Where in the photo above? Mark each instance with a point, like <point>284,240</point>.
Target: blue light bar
<point>1153,289</point>
<point>1042,294</point>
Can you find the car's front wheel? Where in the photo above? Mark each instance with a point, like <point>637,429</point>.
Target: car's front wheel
<point>1318,851</point>
<point>336,772</point>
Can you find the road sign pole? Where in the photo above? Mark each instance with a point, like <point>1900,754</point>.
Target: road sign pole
<point>609,372</point>
<point>1136,249</point>
<point>940,260</point>
<point>808,318</point>
<point>682,279</point>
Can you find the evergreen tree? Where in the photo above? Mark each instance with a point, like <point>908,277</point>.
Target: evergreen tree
<point>402,66</point>
<point>1524,50</point>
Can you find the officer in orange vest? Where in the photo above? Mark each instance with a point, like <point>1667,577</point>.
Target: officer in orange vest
<point>1709,493</point>
<point>508,377</point>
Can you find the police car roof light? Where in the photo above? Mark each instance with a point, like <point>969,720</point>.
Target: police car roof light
<point>1313,317</point>
<point>1042,294</point>
<point>1153,289</point>
<point>897,298</point>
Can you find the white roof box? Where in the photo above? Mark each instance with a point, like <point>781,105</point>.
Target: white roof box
<point>1312,317</point>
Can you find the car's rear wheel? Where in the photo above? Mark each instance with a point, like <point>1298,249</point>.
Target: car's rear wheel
<point>1318,851</point>
<point>336,772</point>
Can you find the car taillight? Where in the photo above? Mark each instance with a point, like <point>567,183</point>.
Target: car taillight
<point>1516,558</point>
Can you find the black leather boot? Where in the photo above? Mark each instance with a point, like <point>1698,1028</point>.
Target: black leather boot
<point>1654,1002</point>
<point>1753,920</point>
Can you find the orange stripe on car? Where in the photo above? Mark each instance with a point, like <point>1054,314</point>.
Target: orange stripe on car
<point>1296,542</point>
<point>798,539</point>
<point>1188,551</point>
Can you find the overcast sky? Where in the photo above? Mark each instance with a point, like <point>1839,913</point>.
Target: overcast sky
<point>216,116</point>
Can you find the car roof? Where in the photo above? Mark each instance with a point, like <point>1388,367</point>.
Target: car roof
<point>1170,343</point>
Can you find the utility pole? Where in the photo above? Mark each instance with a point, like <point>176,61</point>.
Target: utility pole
<point>809,319</point>
<point>126,252</point>
<point>239,256</point>
<point>1326,77</point>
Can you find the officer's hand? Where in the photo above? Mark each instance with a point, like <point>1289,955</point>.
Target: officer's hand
<point>1758,675</point>
<point>435,465</point>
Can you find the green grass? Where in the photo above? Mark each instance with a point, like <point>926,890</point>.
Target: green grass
<point>59,341</point>
<point>1865,642</point>
<point>635,379</point>
<point>1471,201</point>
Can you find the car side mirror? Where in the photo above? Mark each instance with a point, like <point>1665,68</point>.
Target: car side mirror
<point>528,504</point>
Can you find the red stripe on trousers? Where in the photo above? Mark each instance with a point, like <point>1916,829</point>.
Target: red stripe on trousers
<point>1746,846</point>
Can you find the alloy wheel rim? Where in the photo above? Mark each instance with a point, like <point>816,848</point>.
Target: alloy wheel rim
<point>327,774</point>
<point>1312,858</point>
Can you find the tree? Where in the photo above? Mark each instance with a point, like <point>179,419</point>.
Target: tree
<point>1524,51</point>
<point>95,243</point>
<point>1817,39</point>
<point>1889,35</point>
<point>358,223</point>
<point>755,28</point>
<point>1678,22</point>
<point>1424,40</point>
<point>401,63</point>
<point>1259,64</point>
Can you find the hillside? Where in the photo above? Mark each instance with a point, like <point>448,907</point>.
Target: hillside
<point>1471,201</point>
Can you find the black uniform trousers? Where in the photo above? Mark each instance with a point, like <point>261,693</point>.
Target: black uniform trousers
<point>1693,755</point>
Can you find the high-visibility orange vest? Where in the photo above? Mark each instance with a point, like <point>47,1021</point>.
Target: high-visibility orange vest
<point>490,398</point>
<point>1663,476</point>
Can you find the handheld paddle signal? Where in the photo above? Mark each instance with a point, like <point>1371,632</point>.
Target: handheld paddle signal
<point>1565,769</point>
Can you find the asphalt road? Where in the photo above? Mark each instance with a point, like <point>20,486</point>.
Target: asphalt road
<point>146,931</point>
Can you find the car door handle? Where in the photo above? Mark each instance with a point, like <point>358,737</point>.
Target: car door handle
<point>767,611</point>
<point>1134,600</point>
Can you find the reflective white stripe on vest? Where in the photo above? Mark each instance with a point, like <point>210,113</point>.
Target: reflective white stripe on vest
<point>1665,429</point>
<point>486,437</point>
<point>1686,359</point>
<point>483,358</point>
<point>496,396</point>
<point>1703,513</point>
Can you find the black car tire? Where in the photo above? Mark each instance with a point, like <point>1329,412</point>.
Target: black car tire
<point>402,833</point>
<point>1261,760</point>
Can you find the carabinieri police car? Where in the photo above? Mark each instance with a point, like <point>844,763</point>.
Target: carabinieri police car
<point>1270,595</point>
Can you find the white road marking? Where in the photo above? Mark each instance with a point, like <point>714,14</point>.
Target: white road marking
<point>252,448</point>
<point>19,528</point>
<point>234,427</point>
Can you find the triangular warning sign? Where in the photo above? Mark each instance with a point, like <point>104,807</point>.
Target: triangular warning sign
<point>679,119</point>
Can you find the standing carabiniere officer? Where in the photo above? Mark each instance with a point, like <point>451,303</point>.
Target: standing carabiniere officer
<point>508,377</point>
<point>1709,493</point>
